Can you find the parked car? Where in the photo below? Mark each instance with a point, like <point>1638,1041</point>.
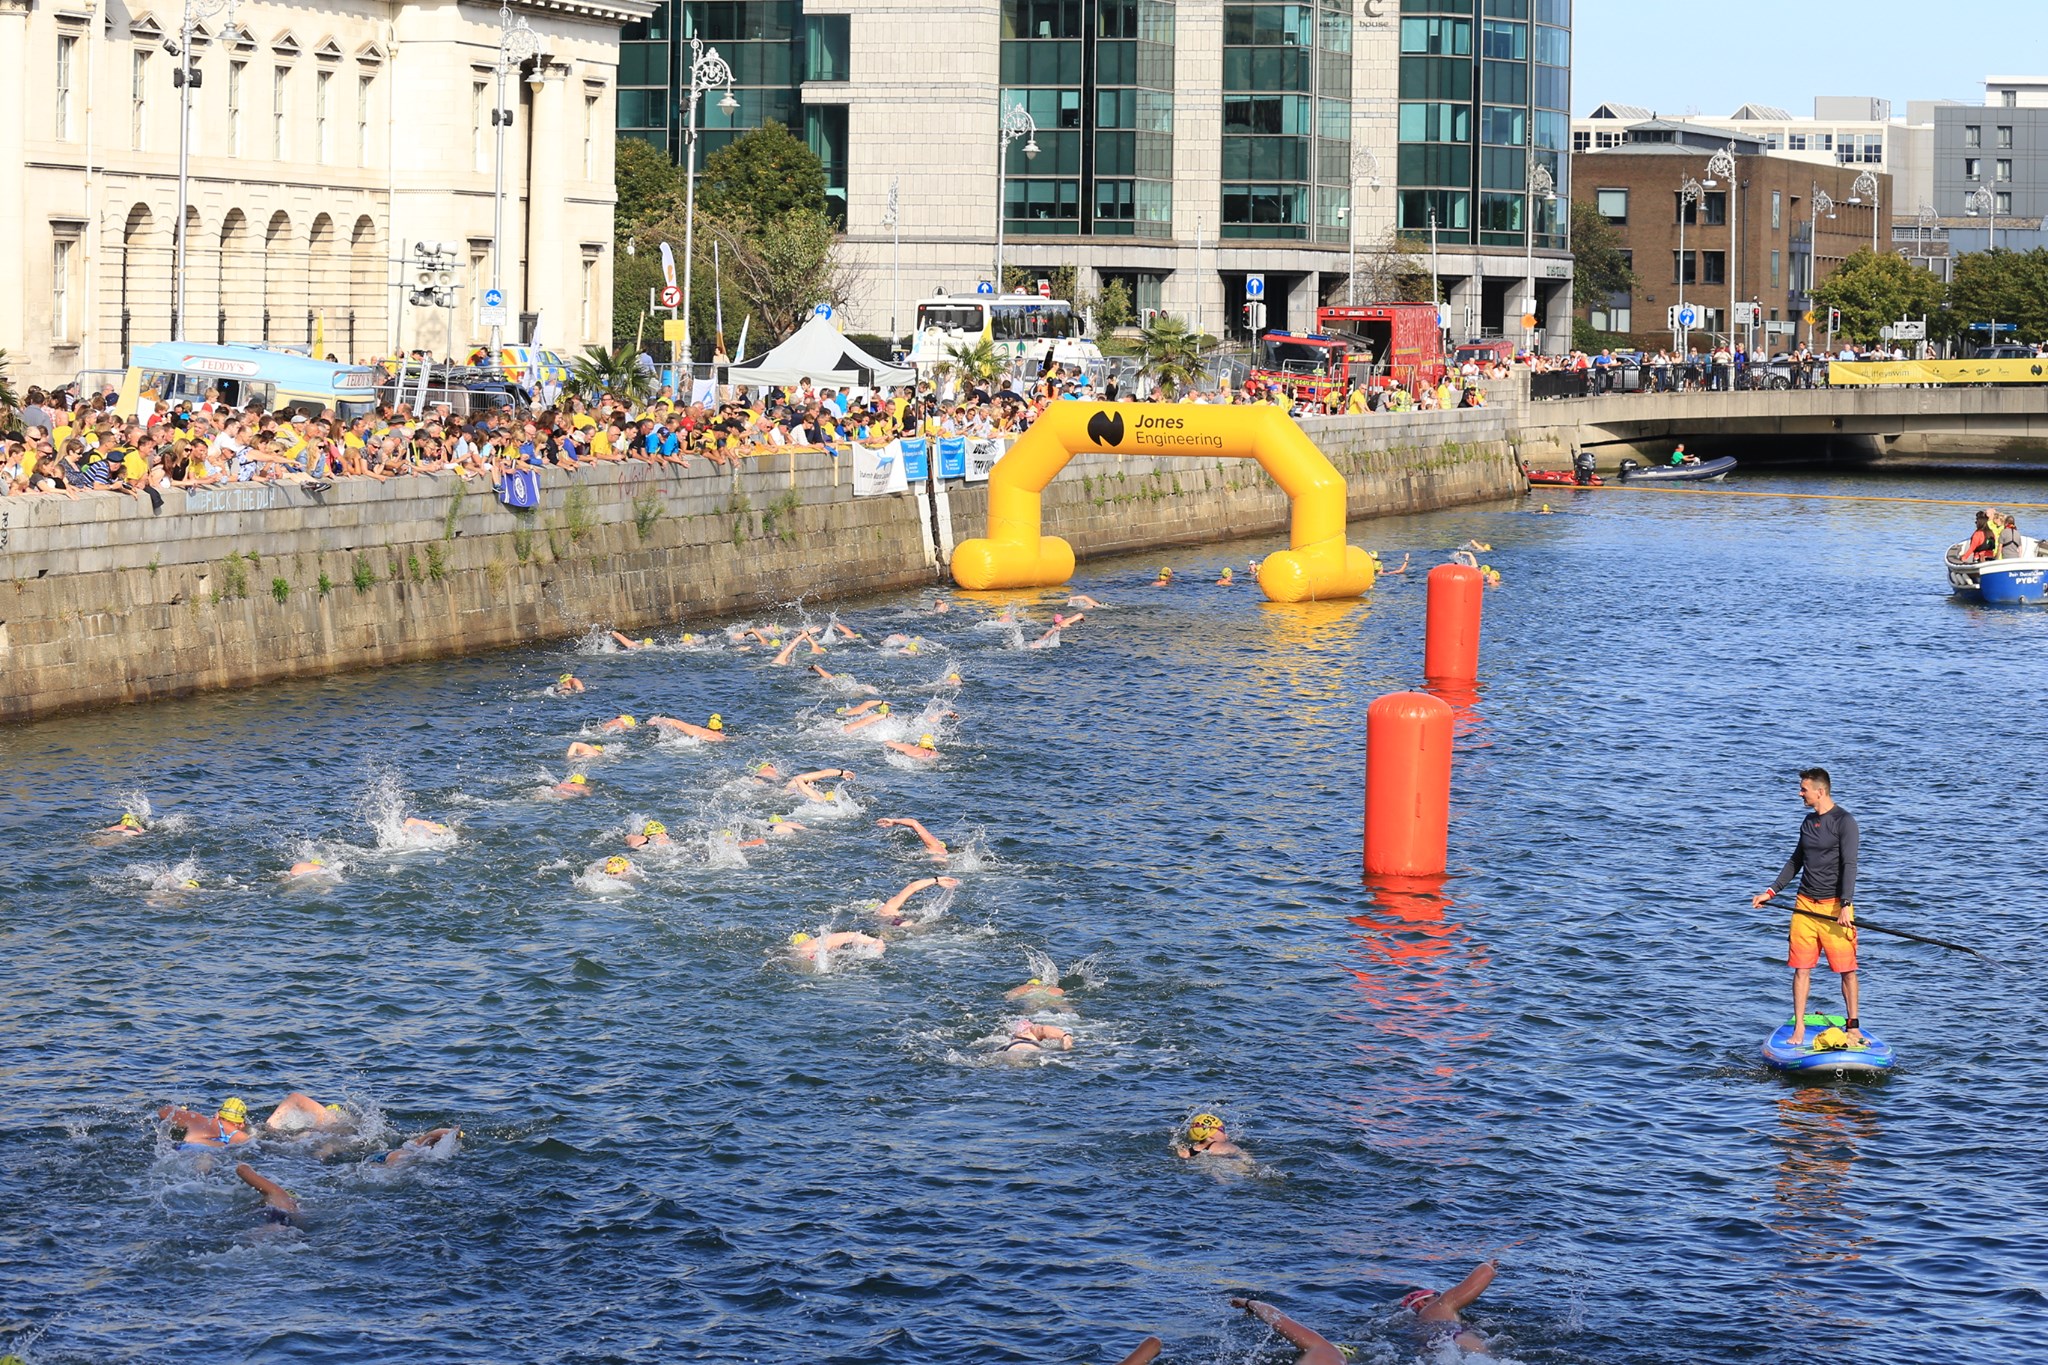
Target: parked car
<point>2005,351</point>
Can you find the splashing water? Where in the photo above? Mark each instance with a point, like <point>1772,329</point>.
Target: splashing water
<point>382,806</point>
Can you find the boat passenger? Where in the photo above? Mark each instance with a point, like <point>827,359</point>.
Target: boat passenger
<point>1984,540</point>
<point>1437,1311</point>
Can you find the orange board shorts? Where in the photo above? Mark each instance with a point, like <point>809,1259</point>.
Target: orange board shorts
<point>1811,938</point>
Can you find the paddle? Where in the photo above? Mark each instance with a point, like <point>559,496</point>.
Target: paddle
<point>1897,933</point>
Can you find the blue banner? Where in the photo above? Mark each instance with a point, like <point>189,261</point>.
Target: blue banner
<point>916,458</point>
<point>952,457</point>
<point>520,488</point>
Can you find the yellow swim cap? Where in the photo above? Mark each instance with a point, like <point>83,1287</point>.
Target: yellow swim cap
<point>952,677</point>
<point>652,828</point>
<point>648,641</point>
<point>1034,981</point>
<point>883,709</point>
<point>690,638</point>
<point>565,680</point>
<point>629,721</point>
<point>1202,1127</point>
<point>910,648</point>
<point>764,767</point>
<point>717,722</point>
<point>927,742</point>
<point>799,939</point>
<point>832,795</point>
<point>131,821</point>
<point>317,862</point>
<point>190,882</point>
<point>774,819</point>
<point>579,780</point>
<point>615,866</point>
<point>233,1110</point>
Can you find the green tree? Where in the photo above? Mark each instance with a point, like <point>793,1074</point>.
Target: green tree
<point>1065,280</point>
<point>1875,289</point>
<point>760,176</point>
<point>2002,287</point>
<point>649,185</point>
<point>778,268</point>
<point>980,362</point>
<point>1113,309</point>
<point>1599,264</point>
<point>8,400</point>
<point>1394,269</point>
<point>602,370</point>
<point>1169,354</point>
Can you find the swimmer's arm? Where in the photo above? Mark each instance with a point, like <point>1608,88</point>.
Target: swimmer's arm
<point>864,706</point>
<point>839,773</point>
<point>273,1193</point>
<point>1147,1352</point>
<point>895,902</point>
<point>1467,1289</point>
<point>822,671</point>
<point>1314,1349</point>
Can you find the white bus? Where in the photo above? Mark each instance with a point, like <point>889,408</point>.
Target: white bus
<point>1023,327</point>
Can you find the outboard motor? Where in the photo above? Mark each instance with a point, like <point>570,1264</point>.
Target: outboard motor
<point>1629,467</point>
<point>1582,467</point>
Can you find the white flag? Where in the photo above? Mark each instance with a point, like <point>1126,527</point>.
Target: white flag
<point>668,265</point>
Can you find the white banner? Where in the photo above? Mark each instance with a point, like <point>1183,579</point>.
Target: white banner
<point>982,454</point>
<point>704,393</point>
<point>878,470</point>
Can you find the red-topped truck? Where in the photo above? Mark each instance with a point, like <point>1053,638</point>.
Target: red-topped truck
<point>1370,344</point>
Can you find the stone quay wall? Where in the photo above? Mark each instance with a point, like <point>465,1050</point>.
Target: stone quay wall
<point>102,601</point>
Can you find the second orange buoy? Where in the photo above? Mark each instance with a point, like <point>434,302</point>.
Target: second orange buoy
<point>1450,651</point>
<point>1407,785</point>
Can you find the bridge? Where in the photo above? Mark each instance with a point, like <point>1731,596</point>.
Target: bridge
<point>1891,425</point>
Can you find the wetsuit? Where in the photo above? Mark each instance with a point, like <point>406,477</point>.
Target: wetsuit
<point>1825,859</point>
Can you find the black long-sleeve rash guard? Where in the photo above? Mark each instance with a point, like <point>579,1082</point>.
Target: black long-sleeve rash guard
<point>1825,857</point>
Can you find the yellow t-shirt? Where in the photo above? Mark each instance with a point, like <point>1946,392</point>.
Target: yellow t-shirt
<point>134,467</point>
<point>600,444</point>
<point>28,465</point>
<point>581,420</point>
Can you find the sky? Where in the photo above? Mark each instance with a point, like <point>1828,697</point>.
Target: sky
<point>1676,57</point>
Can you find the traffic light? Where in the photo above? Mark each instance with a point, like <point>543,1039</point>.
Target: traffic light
<point>1254,316</point>
<point>433,267</point>
<point>1834,319</point>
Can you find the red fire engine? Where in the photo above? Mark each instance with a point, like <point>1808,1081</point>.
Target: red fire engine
<point>1383,344</point>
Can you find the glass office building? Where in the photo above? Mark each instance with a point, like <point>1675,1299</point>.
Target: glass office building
<point>1485,95</point>
<point>778,56</point>
<point>1287,120</point>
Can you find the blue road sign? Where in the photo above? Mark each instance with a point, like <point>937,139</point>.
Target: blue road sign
<point>823,310</point>
<point>1255,286</point>
<point>494,298</point>
<point>1688,315</point>
<point>984,287</point>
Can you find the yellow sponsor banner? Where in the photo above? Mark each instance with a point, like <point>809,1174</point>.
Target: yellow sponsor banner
<point>1845,373</point>
<point>672,329</point>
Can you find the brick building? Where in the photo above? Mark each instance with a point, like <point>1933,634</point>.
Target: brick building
<point>1636,187</point>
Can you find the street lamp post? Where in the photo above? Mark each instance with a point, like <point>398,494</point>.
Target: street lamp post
<point>1689,192</point>
<point>1982,200</point>
<point>187,78</point>
<point>1864,191</point>
<point>1823,202</point>
<point>889,221</point>
<point>517,45</point>
<point>1016,122</point>
<point>1542,185</point>
<point>708,71</point>
<point>1435,289</point>
<point>1364,166</point>
<point>1721,166</point>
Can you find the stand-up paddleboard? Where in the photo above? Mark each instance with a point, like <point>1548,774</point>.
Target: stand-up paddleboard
<point>1874,1055</point>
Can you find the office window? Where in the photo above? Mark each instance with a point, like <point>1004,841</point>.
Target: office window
<point>590,137</point>
<point>1434,37</point>
<point>2001,202</point>
<point>2002,170</point>
<point>1613,205</point>
<point>323,142</point>
<point>1777,208</point>
<point>1823,142</point>
<point>363,84</point>
<point>1774,141</point>
<point>2005,136</point>
<point>236,70</point>
<point>479,116</point>
<point>1973,135</point>
<point>588,310</point>
<point>138,99</point>
<point>1713,267</point>
<point>1684,265</point>
<point>1777,264</point>
<point>1504,42</point>
<point>1795,142</point>
<point>1581,141</point>
<point>1973,168</point>
<point>1873,149</point>
<point>278,76</point>
<point>2009,98</point>
<point>67,50</point>
<point>60,289</point>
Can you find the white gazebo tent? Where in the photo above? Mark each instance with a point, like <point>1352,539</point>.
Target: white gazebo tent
<point>820,353</point>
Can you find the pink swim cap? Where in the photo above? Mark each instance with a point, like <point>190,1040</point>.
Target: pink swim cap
<point>1417,1298</point>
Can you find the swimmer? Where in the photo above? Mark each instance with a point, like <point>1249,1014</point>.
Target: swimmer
<point>1544,510</point>
<point>620,867</point>
<point>932,844</point>
<point>925,750</point>
<point>846,632</point>
<point>1038,993</point>
<point>576,784</point>
<point>413,1148</point>
<point>1206,1138</point>
<point>1165,578</point>
<point>890,911</point>
<point>1476,546</point>
<point>426,826</point>
<point>941,607</point>
<point>1085,602</point>
<point>880,713</point>
<point>806,947</point>
<point>229,1127</point>
<point>781,660</point>
<point>567,685</point>
<point>1147,1352</point>
<point>299,1112</point>
<point>1226,580</point>
<point>1437,1312</point>
<point>618,725</point>
<point>780,826</point>
<point>625,643</point>
<point>278,1204</point>
<point>1402,569</point>
<point>310,867</point>
<point>1315,1350</point>
<point>1026,1036</point>
<point>1052,637</point>
<point>653,834</point>
<point>801,784</point>
<point>711,732</point>
<point>581,750</point>
<point>763,774</point>
<point>127,826</point>
<point>1489,575</point>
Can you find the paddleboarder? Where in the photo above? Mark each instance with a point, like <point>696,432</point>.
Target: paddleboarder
<point>1825,859</point>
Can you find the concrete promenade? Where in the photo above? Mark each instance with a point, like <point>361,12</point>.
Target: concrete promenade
<point>102,602</point>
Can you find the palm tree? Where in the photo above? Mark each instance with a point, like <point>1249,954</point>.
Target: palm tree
<point>601,370</point>
<point>981,363</point>
<point>7,396</point>
<point>1169,354</point>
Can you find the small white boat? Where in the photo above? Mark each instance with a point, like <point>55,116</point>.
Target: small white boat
<point>1998,582</point>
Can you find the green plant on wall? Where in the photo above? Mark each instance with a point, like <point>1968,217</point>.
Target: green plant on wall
<point>739,508</point>
<point>326,585</point>
<point>365,574</point>
<point>454,513</point>
<point>234,579</point>
<point>437,562</point>
<point>779,518</point>
<point>646,511</point>
<point>576,517</point>
<point>280,589</point>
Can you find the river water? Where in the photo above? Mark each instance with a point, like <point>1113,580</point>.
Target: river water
<point>677,1146</point>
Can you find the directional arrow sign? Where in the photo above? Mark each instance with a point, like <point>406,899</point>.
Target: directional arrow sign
<point>1255,286</point>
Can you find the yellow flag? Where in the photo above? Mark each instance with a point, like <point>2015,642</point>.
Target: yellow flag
<point>319,336</point>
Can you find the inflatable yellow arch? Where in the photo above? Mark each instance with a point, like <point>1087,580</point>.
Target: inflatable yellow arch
<point>1017,554</point>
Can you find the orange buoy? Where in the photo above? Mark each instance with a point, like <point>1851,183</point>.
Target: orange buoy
<point>1450,651</point>
<point>1407,785</point>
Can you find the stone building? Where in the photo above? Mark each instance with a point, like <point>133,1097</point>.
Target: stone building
<point>324,141</point>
